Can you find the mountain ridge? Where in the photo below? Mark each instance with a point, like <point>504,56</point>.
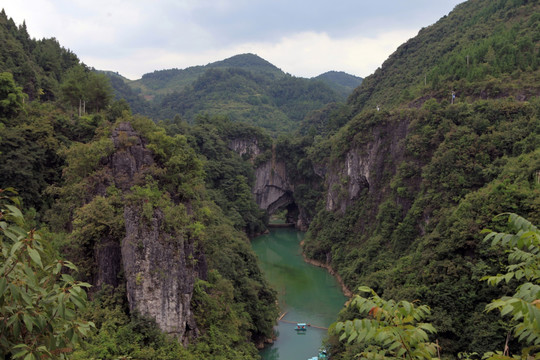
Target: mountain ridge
<point>175,79</point>
<point>243,87</point>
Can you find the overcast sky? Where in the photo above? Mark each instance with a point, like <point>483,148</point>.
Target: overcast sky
<point>301,37</point>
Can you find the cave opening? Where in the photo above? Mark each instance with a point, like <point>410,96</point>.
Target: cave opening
<point>286,214</point>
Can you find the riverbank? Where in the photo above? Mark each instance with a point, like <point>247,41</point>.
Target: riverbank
<point>348,293</point>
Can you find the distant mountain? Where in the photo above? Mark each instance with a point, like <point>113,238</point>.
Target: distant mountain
<point>244,87</point>
<point>278,105</point>
<point>170,80</point>
<point>340,81</point>
<point>122,90</point>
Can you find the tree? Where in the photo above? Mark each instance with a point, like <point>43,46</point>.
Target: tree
<point>73,87</point>
<point>39,300</point>
<point>11,96</point>
<point>523,248</point>
<point>388,329</point>
<point>98,91</point>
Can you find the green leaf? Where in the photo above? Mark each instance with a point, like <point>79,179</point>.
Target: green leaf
<point>3,285</point>
<point>15,212</point>
<point>365,289</point>
<point>20,354</point>
<point>16,247</point>
<point>28,322</point>
<point>428,327</point>
<point>34,255</point>
<point>26,298</point>
<point>507,309</point>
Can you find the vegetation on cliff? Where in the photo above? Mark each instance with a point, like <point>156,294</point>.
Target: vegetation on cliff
<point>54,151</point>
<point>397,183</point>
<point>411,229</point>
<point>389,329</point>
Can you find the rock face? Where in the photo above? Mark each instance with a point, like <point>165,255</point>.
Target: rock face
<point>272,189</point>
<point>160,273</point>
<point>159,268</point>
<point>364,166</point>
<point>130,159</point>
<point>245,147</point>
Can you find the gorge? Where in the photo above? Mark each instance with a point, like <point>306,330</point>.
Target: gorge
<point>156,195</point>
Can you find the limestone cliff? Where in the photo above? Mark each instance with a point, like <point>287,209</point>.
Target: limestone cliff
<point>273,188</point>
<point>159,268</point>
<point>160,271</point>
<point>365,167</point>
<point>246,147</point>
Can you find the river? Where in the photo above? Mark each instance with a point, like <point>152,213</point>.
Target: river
<point>306,293</point>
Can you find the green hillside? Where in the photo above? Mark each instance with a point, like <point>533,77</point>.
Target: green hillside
<point>37,65</point>
<point>340,81</point>
<point>433,171</point>
<point>162,82</point>
<point>482,49</point>
<point>276,105</point>
<point>245,87</point>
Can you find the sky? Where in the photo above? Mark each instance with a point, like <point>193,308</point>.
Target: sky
<point>301,37</point>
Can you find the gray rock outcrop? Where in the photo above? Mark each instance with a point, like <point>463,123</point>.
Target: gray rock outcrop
<point>364,166</point>
<point>159,268</point>
<point>160,274</point>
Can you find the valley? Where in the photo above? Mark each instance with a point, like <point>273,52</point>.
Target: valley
<point>140,208</point>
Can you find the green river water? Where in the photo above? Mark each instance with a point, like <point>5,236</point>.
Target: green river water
<point>306,293</point>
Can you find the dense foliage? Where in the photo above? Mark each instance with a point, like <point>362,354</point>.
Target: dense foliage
<point>244,88</point>
<point>482,49</point>
<point>388,329</point>
<point>340,81</point>
<point>40,303</point>
<point>523,249</point>
<point>53,151</point>
<point>450,166</point>
<point>38,66</point>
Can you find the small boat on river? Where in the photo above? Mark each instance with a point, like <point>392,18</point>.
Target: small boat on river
<point>301,327</point>
<point>322,355</point>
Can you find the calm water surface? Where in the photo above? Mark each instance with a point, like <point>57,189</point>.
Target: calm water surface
<point>306,293</point>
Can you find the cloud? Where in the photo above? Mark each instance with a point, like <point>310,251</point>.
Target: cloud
<point>303,38</point>
<point>304,54</point>
<point>310,54</point>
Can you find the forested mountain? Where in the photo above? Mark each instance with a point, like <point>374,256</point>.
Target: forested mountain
<point>37,65</point>
<point>480,50</point>
<point>394,187</point>
<point>171,80</point>
<point>408,189</point>
<point>245,88</point>
<point>340,81</point>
